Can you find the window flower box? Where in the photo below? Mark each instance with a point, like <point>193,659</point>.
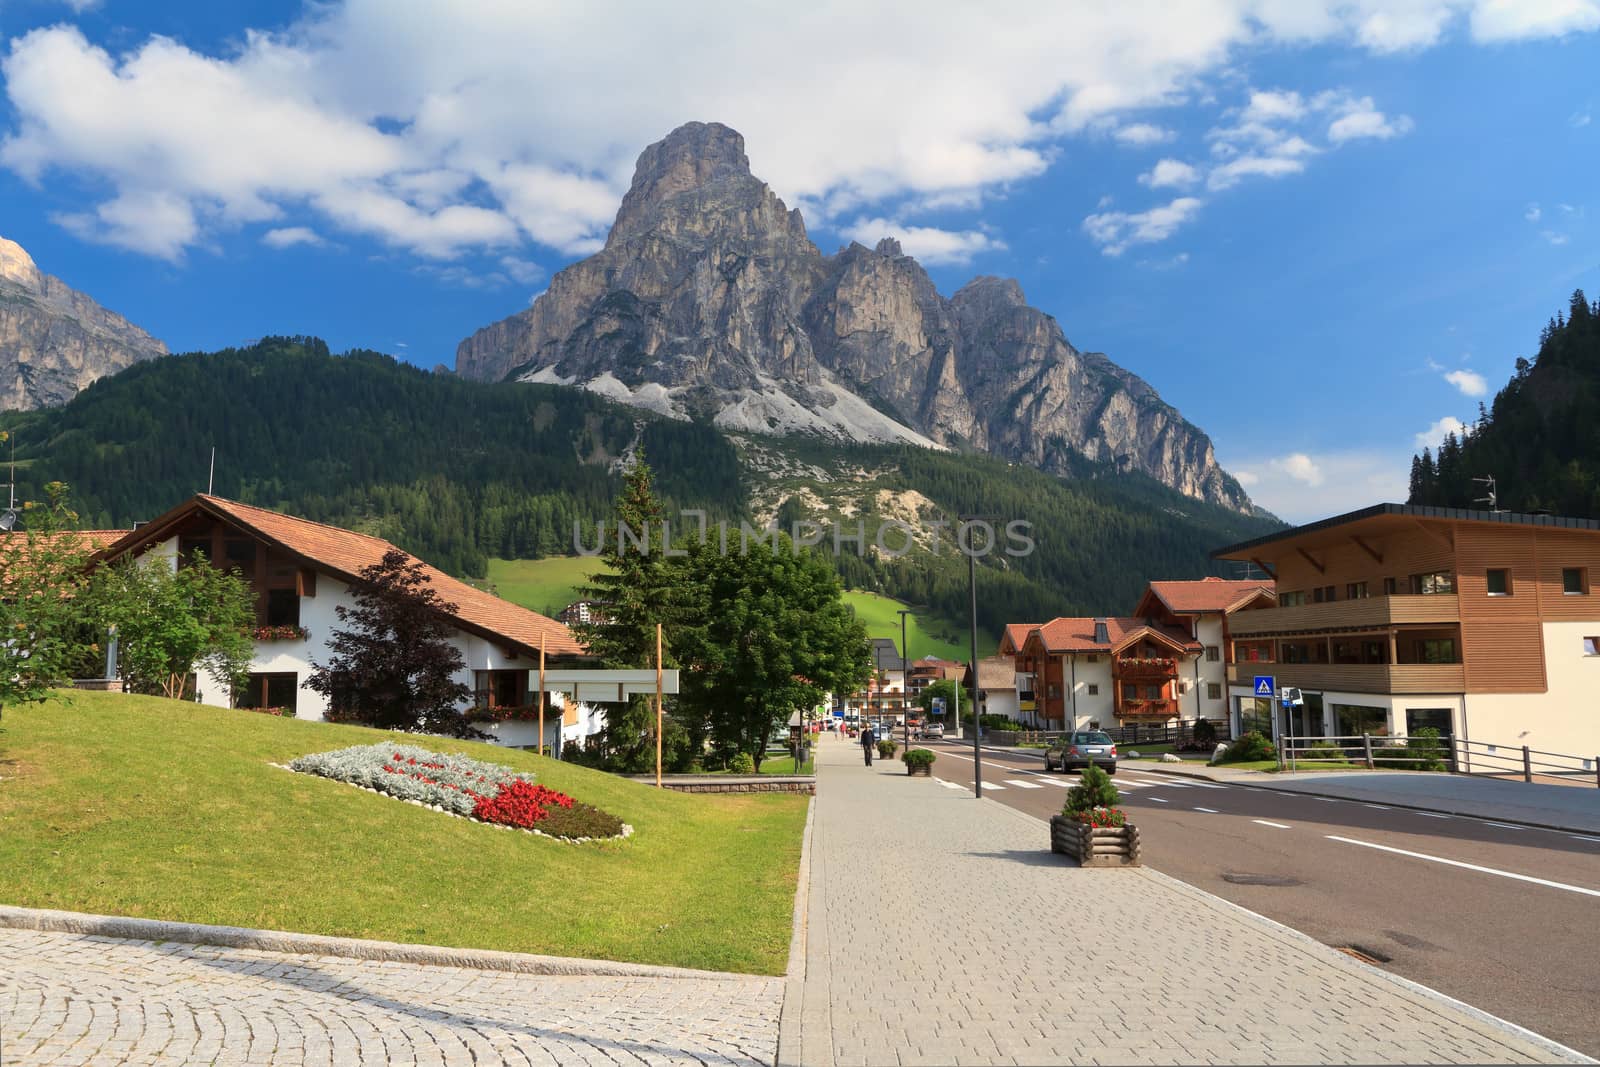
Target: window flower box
<point>507,713</point>
<point>281,633</point>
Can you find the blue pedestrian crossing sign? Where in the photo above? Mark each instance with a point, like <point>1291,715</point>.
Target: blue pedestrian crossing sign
<point>1266,685</point>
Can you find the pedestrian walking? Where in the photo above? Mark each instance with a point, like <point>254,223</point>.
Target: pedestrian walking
<point>869,741</point>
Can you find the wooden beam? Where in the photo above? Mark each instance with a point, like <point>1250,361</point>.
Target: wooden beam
<point>1268,571</point>
<point>1443,539</point>
<point>1377,557</point>
<point>1309,558</point>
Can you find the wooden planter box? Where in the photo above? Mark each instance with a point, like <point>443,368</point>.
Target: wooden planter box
<point>923,771</point>
<point>1094,846</point>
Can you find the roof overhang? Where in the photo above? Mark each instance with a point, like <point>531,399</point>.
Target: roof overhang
<point>1382,519</point>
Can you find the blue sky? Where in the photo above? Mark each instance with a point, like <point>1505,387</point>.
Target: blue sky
<point>1321,231</point>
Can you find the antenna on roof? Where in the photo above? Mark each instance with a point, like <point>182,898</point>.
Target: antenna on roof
<point>212,474</point>
<point>1491,499</point>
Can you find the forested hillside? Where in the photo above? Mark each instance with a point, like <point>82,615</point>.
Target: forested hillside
<point>461,472</point>
<point>1540,439</point>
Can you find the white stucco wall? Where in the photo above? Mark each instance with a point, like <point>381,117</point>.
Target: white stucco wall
<point>1208,631</point>
<point>1565,718</point>
<point>1082,707</point>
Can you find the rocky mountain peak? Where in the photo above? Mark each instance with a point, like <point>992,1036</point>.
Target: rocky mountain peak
<point>693,156</point>
<point>17,266</point>
<point>709,299</point>
<point>55,340</point>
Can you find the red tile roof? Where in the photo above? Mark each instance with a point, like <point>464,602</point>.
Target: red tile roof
<point>1016,634</point>
<point>346,553</point>
<point>1077,635</point>
<point>1207,594</point>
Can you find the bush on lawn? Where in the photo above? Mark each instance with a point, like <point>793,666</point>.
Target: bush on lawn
<point>918,757</point>
<point>1249,747</point>
<point>742,763</point>
<point>1204,734</point>
<point>1423,751</point>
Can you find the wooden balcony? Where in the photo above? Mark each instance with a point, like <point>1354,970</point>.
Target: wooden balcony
<point>1141,670</point>
<point>1377,613</point>
<point>1145,710</point>
<point>1376,678</point>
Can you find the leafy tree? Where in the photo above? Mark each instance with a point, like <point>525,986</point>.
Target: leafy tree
<point>947,688</point>
<point>44,571</point>
<point>170,623</point>
<point>770,635</point>
<point>637,587</point>
<point>394,666</point>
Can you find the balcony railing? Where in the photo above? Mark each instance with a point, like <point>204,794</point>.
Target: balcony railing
<point>1376,678</point>
<point>1376,612</point>
<point>1148,709</point>
<point>1144,668</point>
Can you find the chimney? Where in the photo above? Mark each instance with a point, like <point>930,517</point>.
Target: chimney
<point>1102,636</point>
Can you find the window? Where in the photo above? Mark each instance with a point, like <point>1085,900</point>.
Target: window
<point>1316,595</point>
<point>1355,591</point>
<point>1291,600</point>
<point>501,689</point>
<point>1053,691</point>
<point>1390,587</point>
<point>192,549</point>
<point>1574,581</point>
<point>1091,659</point>
<point>1353,720</point>
<point>1433,582</point>
<point>1213,691</point>
<point>1499,581</point>
<point>1591,646</point>
<point>270,691</point>
<point>283,607</point>
<point>1255,713</point>
<point>1437,650</point>
<point>1153,692</point>
<point>1422,718</point>
<point>1094,690</point>
<point>240,553</point>
<point>1213,653</point>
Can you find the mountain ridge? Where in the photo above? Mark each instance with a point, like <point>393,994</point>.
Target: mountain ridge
<point>709,299</point>
<point>55,340</point>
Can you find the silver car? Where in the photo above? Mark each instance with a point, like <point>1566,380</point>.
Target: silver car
<point>1079,749</point>
<point>933,731</point>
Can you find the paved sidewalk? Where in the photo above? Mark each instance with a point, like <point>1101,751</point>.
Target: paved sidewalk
<point>1562,807</point>
<point>69,999</point>
<point>1028,972</point>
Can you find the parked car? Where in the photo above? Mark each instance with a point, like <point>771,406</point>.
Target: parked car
<point>1079,749</point>
<point>933,731</point>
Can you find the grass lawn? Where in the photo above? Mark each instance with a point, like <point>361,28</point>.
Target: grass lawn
<point>926,635</point>
<point>542,585</point>
<point>146,807</point>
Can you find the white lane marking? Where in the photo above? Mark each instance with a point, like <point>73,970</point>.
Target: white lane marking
<point>1020,784</point>
<point>1379,807</point>
<point>1154,785</point>
<point>1580,837</point>
<point>1504,825</point>
<point>1433,815</point>
<point>1326,800</point>
<point>1469,866</point>
<point>1208,811</point>
<point>1159,800</point>
<point>1279,825</point>
<point>952,785</point>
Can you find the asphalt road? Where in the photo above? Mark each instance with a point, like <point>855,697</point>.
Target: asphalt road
<point>1352,874</point>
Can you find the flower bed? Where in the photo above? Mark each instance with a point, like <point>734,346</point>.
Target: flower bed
<point>462,786</point>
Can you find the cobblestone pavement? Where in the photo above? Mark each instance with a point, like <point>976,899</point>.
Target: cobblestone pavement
<point>78,999</point>
<point>942,931</point>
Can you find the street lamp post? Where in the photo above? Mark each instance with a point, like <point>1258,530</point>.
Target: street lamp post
<point>977,720</point>
<point>905,680</point>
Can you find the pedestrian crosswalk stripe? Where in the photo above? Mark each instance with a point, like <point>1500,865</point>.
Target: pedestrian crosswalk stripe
<point>1063,783</point>
<point>1021,784</point>
<point>952,785</point>
<point>991,785</point>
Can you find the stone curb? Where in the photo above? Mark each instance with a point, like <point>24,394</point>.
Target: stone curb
<point>1271,787</point>
<point>1311,945</point>
<point>794,984</point>
<point>71,922</point>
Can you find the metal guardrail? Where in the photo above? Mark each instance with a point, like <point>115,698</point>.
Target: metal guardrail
<point>1458,755</point>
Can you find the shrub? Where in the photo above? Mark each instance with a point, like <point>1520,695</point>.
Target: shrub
<point>1204,733</point>
<point>1423,751</point>
<point>919,757</point>
<point>1094,790</point>
<point>1324,751</point>
<point>742,763</point>
<point>1248,747</point>
<point>886,749</point>
<point>580,820</point>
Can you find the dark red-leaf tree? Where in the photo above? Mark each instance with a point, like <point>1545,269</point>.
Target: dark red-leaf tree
<point>393,665</point>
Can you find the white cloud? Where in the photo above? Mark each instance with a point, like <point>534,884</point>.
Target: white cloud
<point>1169,263</point>
<point>1580,119</point>
<point>445,128</point>
<point>1434,435</point>
<point>1367,121</point>
<point>1232,172</point>
<point>289,236</point>
<point>1555,237</point>
<point>1116,231</point>
<point>1170,172</point>
<point>1141,134</point>
<point>1533,213</point>
<point>1306,486</point>
<point>1470,382</point>
<point>930,245</point>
